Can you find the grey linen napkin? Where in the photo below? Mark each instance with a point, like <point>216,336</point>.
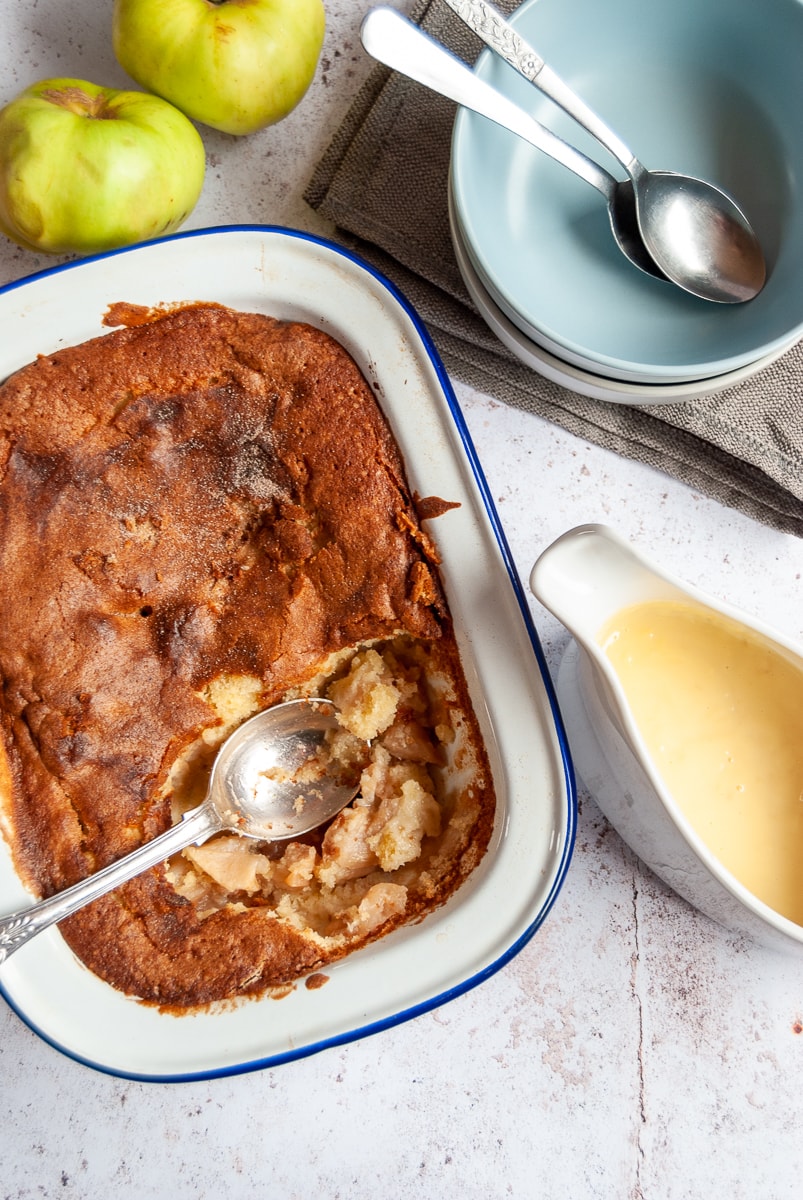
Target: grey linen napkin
<point>383,182</point>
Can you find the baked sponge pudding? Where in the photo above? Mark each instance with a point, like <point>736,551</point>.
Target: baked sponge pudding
<point>202,514</point>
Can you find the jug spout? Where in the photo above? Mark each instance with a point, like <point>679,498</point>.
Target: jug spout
<point>591,573</point>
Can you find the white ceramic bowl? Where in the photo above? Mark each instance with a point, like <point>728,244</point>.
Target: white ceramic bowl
<point>294,276</point>
<point>579,379</point>
<point>713,89</point>
<point>585,578</point>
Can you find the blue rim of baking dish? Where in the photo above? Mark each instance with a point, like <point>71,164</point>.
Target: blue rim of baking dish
<point>479,977</point>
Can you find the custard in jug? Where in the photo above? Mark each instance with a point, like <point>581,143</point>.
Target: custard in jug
<point>720,711</point>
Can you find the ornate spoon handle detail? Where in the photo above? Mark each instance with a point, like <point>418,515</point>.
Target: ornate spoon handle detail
<point>497,33</point>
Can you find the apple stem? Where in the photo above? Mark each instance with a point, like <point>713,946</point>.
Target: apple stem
<point>77,101</point>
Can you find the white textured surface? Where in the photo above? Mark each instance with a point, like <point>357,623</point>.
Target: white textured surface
<point>632,1050</point>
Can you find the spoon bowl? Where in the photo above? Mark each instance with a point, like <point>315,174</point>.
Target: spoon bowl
<point>274,778</point>
<point>699,235</point>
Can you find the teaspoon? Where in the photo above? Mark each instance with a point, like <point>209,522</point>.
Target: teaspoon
<point>693,230</point>
<point>272,779</point>
<point>393,40</point>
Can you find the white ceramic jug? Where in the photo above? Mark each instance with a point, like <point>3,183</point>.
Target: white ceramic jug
<point>585,578</point>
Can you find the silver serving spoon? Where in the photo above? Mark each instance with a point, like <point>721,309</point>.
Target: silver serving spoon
<point>272,779</point>
<point>694,231</point>
<point>396,42</point>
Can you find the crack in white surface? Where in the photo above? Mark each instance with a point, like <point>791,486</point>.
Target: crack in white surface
<point>638,1193</point>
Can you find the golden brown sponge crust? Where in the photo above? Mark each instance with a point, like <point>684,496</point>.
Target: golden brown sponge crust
<point>210,493</point>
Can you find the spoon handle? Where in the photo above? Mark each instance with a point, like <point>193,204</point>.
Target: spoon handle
<point>398,43</point>
<point>19,927</point>
<point>496,32</point>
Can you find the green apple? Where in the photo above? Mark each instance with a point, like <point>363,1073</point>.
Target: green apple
<point>86,168</point>
<point>236,65</point>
